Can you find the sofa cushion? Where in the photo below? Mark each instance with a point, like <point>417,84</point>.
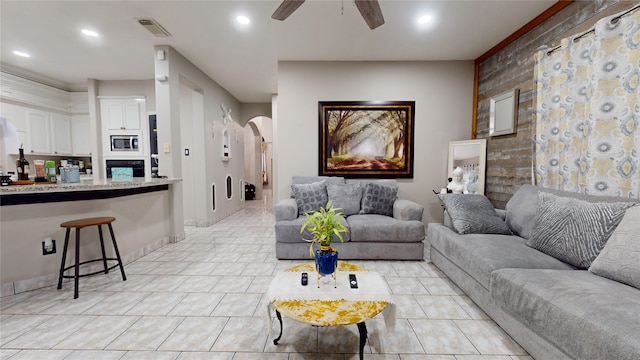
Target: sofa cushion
<point>311,179</point>
<point>345,196</point>
<point>480,254</point>
<point>573,230</point>
<point>586,316</point>
<point>620,258</point>
<point>310,197</point>
<point>378,199</point>
<point>288,231</point>
<point>380,228</point>
<point>473,214</point>
<point>521,209</point>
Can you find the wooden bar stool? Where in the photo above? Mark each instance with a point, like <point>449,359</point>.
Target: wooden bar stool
<point>77,225</point>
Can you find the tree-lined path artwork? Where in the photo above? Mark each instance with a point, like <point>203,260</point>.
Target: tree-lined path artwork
<point>366,139</point>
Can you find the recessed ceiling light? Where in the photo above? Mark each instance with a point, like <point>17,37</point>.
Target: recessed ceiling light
<point>424,19</point>
<point>90,33</point>
<point>243,19</point>
<point>20,53</point>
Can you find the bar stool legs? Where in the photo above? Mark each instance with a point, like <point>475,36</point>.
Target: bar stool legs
<point>115,247</point>
<point>78,225</point>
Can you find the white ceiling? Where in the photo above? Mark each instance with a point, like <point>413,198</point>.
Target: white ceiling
<point>243,59</point>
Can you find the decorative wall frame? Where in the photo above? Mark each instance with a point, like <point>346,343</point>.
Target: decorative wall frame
<point>503,113</point>
<point>366,139</point>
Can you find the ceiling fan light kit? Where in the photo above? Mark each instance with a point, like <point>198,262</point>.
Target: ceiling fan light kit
<point>369,9</point>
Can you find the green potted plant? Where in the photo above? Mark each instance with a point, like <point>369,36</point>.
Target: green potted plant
<point>323,225</point>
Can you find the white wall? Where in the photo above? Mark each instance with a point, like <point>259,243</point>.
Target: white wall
<point>443,93</point>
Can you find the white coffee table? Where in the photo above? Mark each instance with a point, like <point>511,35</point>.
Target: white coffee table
<point>328,305</point>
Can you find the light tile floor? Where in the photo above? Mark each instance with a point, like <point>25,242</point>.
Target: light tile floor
<point>204,298</point>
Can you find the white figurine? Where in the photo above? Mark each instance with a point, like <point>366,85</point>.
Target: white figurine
<point>226,114</point>
<point>456,185</point>
<point>472,185</point>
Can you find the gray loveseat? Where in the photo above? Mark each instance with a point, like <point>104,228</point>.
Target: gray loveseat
<point>393,233</point>
<point>553,309</point>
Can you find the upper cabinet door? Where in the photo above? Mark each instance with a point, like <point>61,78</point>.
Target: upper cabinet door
<point>131,115</point>
<point>121,114</point>
<point>39,133</point>
<point>61,135</point>
<point>80,135</point>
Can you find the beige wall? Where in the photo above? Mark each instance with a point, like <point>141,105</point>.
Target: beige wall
<point>141,226</point>
<point>442,91</point>
<point>206,138</point>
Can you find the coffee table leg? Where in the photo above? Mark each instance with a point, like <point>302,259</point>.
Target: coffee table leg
<point>362,328</point>
<point>275,341</point>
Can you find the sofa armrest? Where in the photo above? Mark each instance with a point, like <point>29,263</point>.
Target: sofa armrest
<point>286,209</point>
<point>407,210</point>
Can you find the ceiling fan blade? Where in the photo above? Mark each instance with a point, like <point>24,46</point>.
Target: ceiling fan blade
<point>286,8</point>
<point>371,12</point>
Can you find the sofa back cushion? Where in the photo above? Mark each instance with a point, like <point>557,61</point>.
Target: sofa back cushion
<point>473,214</point>
<point>573,230</point>
<point>313,179</point>
<point>310,197</point>
<point>620,258</point>
<point>522,208</point>
<point>378,198</point>
<point>346,197</point>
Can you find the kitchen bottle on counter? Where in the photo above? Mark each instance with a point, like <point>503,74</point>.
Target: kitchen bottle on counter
<point>50,170</point>
<point>22,166</point>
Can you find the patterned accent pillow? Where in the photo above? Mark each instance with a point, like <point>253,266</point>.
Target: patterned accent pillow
<point>345,196</point>
<point>620,258</point>
<point>572,230</point>
<point>310,197</point>
<point>473,214</point>
<point>378,199</point>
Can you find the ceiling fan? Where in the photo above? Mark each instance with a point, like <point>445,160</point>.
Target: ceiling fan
<point>369,9</point>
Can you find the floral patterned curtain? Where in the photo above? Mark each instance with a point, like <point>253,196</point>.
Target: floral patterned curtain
<point>587,118</point>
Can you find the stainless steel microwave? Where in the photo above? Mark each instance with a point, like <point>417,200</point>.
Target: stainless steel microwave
<point>124,142</point>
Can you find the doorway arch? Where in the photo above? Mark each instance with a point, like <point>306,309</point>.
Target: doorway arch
<point>258,153</point>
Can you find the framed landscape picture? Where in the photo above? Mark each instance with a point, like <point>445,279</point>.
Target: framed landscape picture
<point>366,139</point>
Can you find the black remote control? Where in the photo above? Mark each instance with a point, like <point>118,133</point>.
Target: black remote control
<point>352,281</point>
<point>305,279</point>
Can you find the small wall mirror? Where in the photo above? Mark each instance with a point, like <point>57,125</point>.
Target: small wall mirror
<point>503,113</point>
<point>470,156</point>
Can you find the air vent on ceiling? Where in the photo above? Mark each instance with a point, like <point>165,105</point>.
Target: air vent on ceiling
<point>156,29</point>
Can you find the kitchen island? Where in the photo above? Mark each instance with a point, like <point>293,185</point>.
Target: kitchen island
<point>145,220</point>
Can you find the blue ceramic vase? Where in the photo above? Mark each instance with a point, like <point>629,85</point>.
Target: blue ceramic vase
<point>326,262</point>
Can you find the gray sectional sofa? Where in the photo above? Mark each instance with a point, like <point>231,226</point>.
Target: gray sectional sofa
<point>391,230</point>
<point>553,309</point>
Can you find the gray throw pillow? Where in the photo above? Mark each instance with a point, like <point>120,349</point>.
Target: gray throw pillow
<point>345,196</point>
<point>473,214</point>
<point>572,230</point>
<point>310,197</point>
<point>620,258</point>
<point>378,199</point>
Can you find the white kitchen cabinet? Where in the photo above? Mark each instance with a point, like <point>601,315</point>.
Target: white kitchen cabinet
<point>61,131</point>
<point>80,135</point>
<point>122,114</point>
<point>48,134</point>
<point>38,133</point>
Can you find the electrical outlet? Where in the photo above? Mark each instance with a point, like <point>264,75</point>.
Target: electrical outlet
<point>48,248</point>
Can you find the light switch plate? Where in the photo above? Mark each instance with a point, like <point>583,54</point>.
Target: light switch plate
<point>166,148</point>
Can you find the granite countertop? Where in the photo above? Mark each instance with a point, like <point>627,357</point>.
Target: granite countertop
<point>85,185</point>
